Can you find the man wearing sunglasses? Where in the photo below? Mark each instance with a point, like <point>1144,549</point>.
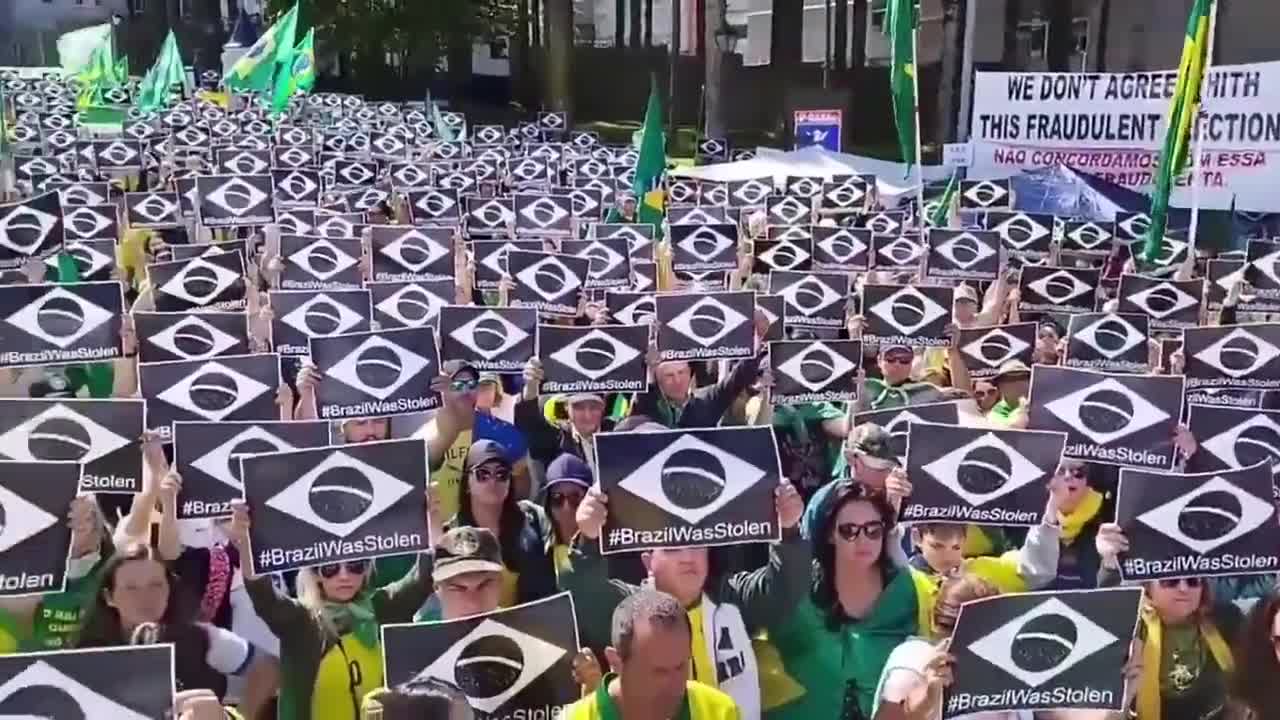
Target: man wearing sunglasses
<point>895,387</point>
<point>724,614</point>
<point>457,426</point>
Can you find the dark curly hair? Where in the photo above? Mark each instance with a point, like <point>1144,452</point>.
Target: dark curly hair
<point>824,552</point>
<point>1253,684</point>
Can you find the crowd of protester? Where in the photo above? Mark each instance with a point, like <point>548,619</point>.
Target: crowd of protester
<point>847,617</point>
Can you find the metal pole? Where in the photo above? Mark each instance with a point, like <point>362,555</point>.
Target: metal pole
<point>826,57</point>
<point>1197,139</point>
<point>677,8</point>
<point>966,70</point>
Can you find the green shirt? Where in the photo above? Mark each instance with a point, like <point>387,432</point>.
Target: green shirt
<point>1003,413</point>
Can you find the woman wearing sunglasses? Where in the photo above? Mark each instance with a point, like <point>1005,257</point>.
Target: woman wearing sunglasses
<point>831,648</point>
<point>329,640</point>
<point>1186,655</point>
<point>1081,512</point>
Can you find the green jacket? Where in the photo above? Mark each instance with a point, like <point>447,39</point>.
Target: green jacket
<point>826,668</point>
<point>322,668</point>
<point>760,595</point>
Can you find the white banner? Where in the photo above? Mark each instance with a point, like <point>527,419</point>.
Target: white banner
<point>1113,125</point>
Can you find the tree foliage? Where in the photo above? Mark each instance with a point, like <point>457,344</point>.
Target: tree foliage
<point>420,32</point>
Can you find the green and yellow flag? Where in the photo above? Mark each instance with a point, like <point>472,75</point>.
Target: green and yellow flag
<point>256,69</point>
<point>297,74</point>
<point>901,23</point>
<point>157,85</point>
<point>1182,118</point>
<point>651,165</point>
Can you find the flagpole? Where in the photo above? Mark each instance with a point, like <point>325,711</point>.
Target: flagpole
<point>915,92</point>
<point>1197,142</point>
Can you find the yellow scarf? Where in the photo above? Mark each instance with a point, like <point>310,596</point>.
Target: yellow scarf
<point>704,671</point>
<point>1149,704</point>
<point>1073,522</point>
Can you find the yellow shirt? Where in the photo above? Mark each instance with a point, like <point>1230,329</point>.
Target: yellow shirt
<point>333,689</point>
<point>510,585</point>
<point>701,702</point>
<point>448,478</point>
<point>704,671</point>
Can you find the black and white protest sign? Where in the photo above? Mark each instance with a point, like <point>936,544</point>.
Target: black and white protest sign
<point>707,213</point>
<point>1088,238</point>
<point>35,539</point>
<point>773,308</point>
<point>846,196</point>
<point>91,222</point>
<point>897,422</point>
<point>30,228</point>
<point>980,475</point>
<point>1026,234</point>
<point>122,683</point>
<point>409,304</point>
<point>344,225</point>
<point>752,192</point>
<point>1234,437</point>
<point>237,387</point>
<point>610,261</point>
<point>985,194</point>
<point>1263,269</point>
<point>548,283</point>
<point>1109,342</point>
<point>814,371</point>
<point>985,349</point>
<point>409,253</point>
<point>688,488</point>
<point>489,215</point>
<point>538,214</point>
<point>103,435</point>
<point>603,359</point>
<point>491,259</point>
<point>1109,419</point>
<point>515,662</point>
<point>788,210</point>
<point>800,236</point>
<point>896,252</point>
<point>320,263</point>
<point>963,255</point>
<point>837,249</point>
<point>493,339</point>
<point>296,221</point>
<point>703,248</point>
<point>351,174</point>
<point>292,157</point>
<point>234,161</point>
<point>1039,651</point>
<point>57,324</point>
<point>644,275</point>
<point>705,326</point>
<point>300,316</point>
<point>907,315</point>
<point>1171,304</point>
<point>298,186</point>
<point>1221,275</point>
<point>152,209</point>
<point>190,336</point>
<point>639,237</point>
<point>630,308</point>
<point>1245,357</point>
<point>1065,290</point>
<point>813,300</point>
<point>73,195</point>
<point>888,222</point>
<point>1201,524</point>
<point>186,252</point>
<point>215,282</point>
<point>434,205</point>
<point>388,372</point>
<point>207,455</point>
<point>323,505</point>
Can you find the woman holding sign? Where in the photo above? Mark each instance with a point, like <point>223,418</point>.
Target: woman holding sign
<point>1187,657</point>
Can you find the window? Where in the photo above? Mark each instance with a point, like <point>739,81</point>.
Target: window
<point>879,10</point>
<point>1033,39</point>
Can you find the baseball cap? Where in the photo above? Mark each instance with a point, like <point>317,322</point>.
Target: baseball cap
<point>451,368</point>
<point>871,443</point>
<point>576,398</point>
<point>1012,369</point>
<point>490,378</point>
<point>483,451</point>
<point>966,292</point>
<point>569,468</point>
<point>466,550</point>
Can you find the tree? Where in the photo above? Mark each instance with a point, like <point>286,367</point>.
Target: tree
<point>1062,37</point>
<point>637,10</point>
<point>1012,14</point>
<point>620,24</point>
<point>952,49</point>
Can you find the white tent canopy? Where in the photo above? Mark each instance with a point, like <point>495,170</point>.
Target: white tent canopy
<point>892,179</point>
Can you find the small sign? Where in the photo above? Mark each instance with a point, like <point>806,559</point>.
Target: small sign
<point>818,127</point>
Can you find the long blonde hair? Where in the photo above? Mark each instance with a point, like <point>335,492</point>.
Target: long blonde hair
<point>311,592</point>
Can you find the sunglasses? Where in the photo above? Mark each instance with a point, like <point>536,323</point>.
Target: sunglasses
<point>1076,471</point>
<point>1192,583</point>
<point>849,532</point>
<point>353,567</point>
<point>461,386</point>
<point>485,476</point>
<point>558,499</point>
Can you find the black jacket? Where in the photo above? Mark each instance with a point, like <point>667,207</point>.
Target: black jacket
<point>706,406</point>
<point>547,441</point>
